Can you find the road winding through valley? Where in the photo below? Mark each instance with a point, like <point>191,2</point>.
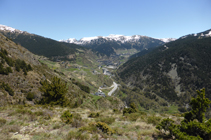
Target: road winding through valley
<point>114,89</point>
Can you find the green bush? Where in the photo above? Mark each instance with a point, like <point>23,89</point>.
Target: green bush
<point>105,128</point>
<point>21,64</point>
<point>67,117</point>
<point>30,96</point>
<point>5,71</point>
<point>3,55</point>
<point>133,116</point>
<point>115,110</point>
<point>131,109</point>
<point>7,88</point>
<point>9,70</point>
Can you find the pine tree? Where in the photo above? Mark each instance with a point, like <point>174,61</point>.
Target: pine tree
<point>54,92</point>
<point>194,126</point>
<point>199,106</point>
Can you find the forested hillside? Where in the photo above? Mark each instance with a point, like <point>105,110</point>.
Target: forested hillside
<point>172,71</point>
<point>43,46</point>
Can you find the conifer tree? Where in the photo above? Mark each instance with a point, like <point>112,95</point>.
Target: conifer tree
<point>199,106</point>
<point>54,92</point>
<point>194,126</point>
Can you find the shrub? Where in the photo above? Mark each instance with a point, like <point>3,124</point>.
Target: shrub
<point>105,128</point>
<point>9,70</point>
<point>115,110</point>
<point>131,109</point>
<point>21,64</point>
<point>5,71</point>
<point>67,117</point>
<point>133,116</point>
<point>7,88</point>
<point>30,96</point>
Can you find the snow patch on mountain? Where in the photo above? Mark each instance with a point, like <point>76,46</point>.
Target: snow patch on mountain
<point>209,34</point>
<point>89,38</point>
<point>166,40</point>
<point>10,29</point>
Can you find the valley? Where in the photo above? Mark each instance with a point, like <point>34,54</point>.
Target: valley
<point>114,87</point>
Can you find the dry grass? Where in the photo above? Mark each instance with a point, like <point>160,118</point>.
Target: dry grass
<point>43,122</point>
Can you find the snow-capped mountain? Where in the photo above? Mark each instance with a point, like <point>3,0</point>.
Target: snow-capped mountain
<point>198,35</point>
<point>109,44</point>
<point>10,29</point>
<point>112,37</point>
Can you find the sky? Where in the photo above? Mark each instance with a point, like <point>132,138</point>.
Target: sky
<point>63,19</point>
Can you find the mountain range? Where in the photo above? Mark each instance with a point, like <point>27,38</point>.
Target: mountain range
<point>109,44</point>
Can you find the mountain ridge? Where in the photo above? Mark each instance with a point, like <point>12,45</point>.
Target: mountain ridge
<point>121,38</point>
<point>40,45</point>
<point>108,45</point>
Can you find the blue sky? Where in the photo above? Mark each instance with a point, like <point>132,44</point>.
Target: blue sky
<point>63,19</point>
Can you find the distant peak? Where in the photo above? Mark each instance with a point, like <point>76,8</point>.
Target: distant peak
<point>10,29</point>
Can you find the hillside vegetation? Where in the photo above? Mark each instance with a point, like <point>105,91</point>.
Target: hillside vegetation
<point>172,71</point>
<point>43,46</point>
<point>22,75</point>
